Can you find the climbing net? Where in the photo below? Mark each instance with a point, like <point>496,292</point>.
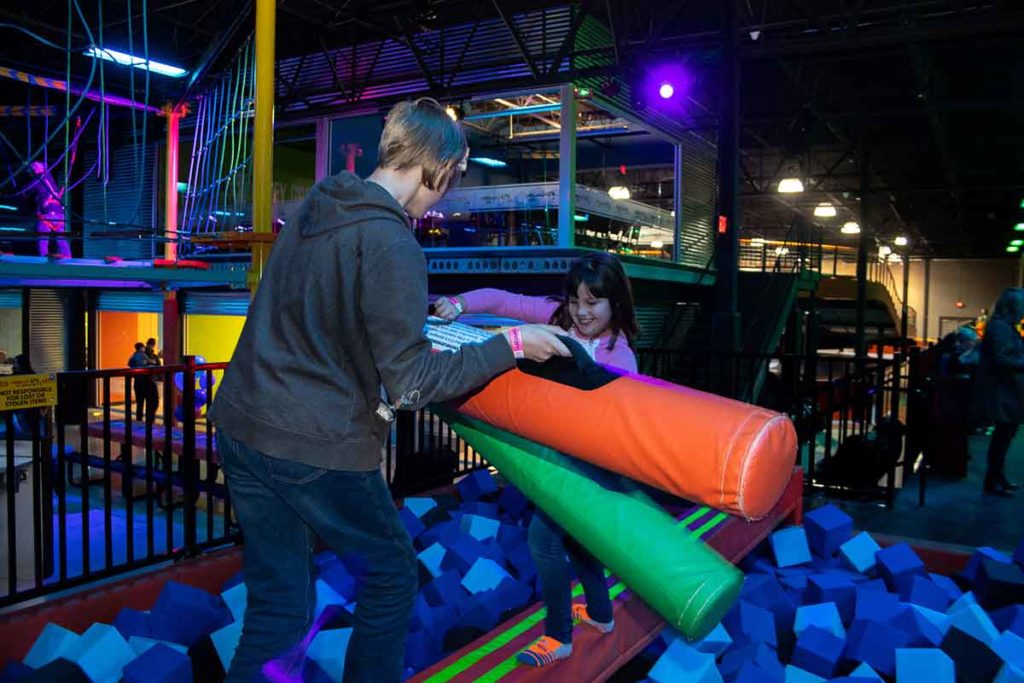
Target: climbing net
<point>219,194</point>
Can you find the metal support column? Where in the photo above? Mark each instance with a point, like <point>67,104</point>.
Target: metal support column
<point>727,319</point>
<point>927,296</point>
<point>171,180</point>
<point>677,203</point>
<point>862,258</point>
<point>323,149</point>
<point>263,137</point>
<point>905,310</point>
<point>567,168</point>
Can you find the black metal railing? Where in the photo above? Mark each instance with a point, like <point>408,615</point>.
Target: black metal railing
<point>93,491</point>
<point>830,400</point>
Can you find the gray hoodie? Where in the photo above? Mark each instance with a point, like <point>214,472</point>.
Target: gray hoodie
<point>340,311</point>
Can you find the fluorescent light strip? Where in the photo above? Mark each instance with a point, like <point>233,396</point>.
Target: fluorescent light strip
<point>491,163</point>
<point>518,111</point>
<point>125,59</point>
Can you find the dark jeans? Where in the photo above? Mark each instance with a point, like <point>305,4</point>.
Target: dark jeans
<point>1002,437</point>
<point>147,398</point>
<point>552,552</point>
<point>281,505</point>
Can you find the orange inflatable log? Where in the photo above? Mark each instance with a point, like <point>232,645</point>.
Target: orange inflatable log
<point>723,453</point>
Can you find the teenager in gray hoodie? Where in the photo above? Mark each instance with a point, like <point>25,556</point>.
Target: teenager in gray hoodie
<point>301,415</point>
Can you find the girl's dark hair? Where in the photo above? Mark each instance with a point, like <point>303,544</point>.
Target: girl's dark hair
<point>604,277</point>
<point>1010,305</point>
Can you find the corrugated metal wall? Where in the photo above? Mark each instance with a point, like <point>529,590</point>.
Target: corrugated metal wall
<point>216,303</point>
<point>139,302</point>
<point>47,334</point>
<point>127,203</point>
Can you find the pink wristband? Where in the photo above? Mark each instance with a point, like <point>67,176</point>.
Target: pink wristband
<point>515,338</point>
<point>456,304</point>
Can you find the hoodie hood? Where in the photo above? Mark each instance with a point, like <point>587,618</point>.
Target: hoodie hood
<point>344,200</point>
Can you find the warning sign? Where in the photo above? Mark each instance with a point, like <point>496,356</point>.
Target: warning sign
<point>27,391</point>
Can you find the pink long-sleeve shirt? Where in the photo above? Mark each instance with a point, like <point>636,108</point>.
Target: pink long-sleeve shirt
<point>538,309</point>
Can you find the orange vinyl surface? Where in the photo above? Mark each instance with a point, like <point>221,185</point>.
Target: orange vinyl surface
<point>729,455</point>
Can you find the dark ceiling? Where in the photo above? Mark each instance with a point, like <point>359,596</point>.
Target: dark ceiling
<point>914,104</point>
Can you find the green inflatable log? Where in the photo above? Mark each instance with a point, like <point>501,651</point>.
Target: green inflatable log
<point>680,577</point>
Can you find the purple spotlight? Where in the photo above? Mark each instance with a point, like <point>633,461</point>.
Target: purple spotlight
<point>666,91</point>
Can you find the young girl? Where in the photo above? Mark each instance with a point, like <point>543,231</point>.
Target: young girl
<point>596,309</point>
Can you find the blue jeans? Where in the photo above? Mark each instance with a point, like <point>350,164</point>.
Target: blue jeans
<point>281,505</point>
<point>552,552</point>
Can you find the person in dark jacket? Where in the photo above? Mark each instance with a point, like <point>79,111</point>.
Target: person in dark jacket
<point>301,415</point>
<point>1000,385</point>
<point>146,396</point>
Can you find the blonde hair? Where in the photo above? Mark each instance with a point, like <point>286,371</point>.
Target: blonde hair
<point>421,133</point>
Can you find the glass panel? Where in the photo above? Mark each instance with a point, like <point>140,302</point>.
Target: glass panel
<point>509,194</point>
<point>624,193</point>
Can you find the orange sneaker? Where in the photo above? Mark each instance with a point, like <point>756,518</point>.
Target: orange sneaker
<point>579,614</point>
<point>544,651</point>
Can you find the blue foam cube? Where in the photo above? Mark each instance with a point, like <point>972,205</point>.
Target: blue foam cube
<point>483,614</point>
<point>714,643</point>
<point>947,584</point>
<point>1010,619</point>
<point>102,652</point>
<point>874,643</point>
<point>447,590</point>
<point>924,666</point>
<point>445,533</point>
<point>873,605</point>
<point>139,645</point>
<point>511,536</point>
<point>683,663</point>
<point>462,553</point>
<point>431,559</point>
<point>973,621</point>
<point>748,622</point>
<point>818,651</point>
<point>824,616</point>
<point>132,622</point>
<point>790,547</point>
<point>53,642</point>
<point>513,502</point>
<point>759,654</point>
<point>859,552</point>
<point>337,577</point>
<point>1010,647</point>
<point>752,673</point>
<point>159,664</point>
<point>970,572</point>
<point>480,528</point>
<point>797,675</point>
<point>828,527</point>
<point>485,574</point>
<point>236,598</point>
<point>924,627</point>
<point>1010,674</point>
<point>923,591</point>
<point>865,671</point>
<point>898,564</point>
<point>411,522</point>
<point>963,602</point>
<point>328,651</point>
<point>873,585</point>
<point>184,614</point>
<point>325,597</point>
<point>835,588</point>
<point>476,484</point>
<point>512,594</point>
<point>481,509</point>
<point>225,641</point>
<point>421,648</point>
<point>419,506</point>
